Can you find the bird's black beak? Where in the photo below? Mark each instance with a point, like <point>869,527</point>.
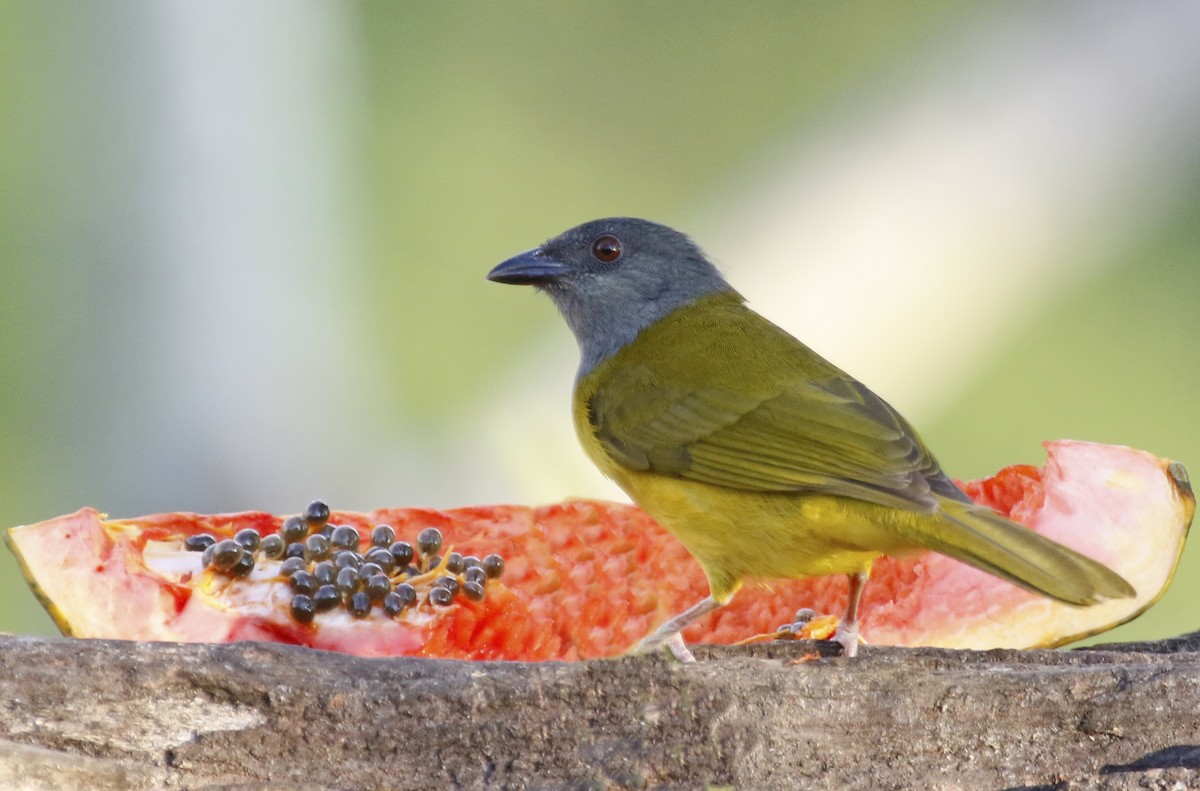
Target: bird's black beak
<point>531,268</point>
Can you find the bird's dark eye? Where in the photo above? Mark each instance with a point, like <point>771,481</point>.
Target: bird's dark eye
<point>606,249</point>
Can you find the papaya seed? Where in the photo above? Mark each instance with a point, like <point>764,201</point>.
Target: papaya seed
<point>316,514</point>
<point>198,542</point>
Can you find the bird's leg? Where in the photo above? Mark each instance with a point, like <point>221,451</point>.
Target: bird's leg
<point>679,649</point>
<point>847,631</point>
<point>669,634</point>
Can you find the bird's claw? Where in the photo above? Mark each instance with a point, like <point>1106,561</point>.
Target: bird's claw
<point>848,638</point>
<point>672,642</point>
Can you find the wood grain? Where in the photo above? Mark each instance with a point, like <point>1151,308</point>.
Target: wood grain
<point>120,715</point>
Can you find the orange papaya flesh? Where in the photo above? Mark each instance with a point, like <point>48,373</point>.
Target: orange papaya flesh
<point>588,579</point>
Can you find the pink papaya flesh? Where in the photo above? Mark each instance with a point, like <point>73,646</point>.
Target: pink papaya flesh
<point>587,579</point>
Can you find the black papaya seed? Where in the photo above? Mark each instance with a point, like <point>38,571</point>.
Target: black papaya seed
<point>360,604</point>
<point>198,542</point>
<point>493,564</point>
<point>429,541</point>
<point>226,554</point>
<point>294,529</point>
<point>316,515</point>
<point>383,535</point>
<point>303,608</point>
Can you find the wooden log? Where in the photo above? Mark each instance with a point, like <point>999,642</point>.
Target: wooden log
<point>95,714</point>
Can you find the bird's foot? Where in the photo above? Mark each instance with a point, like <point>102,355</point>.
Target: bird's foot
<point>673,642</point>
<point>679,649</point>
<point>847,637</point>
<point>670,633</point>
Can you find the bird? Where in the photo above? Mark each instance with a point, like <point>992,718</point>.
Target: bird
<point>761,457</point>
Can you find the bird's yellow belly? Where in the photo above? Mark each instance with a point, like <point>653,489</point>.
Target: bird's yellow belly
<point>736,534</point>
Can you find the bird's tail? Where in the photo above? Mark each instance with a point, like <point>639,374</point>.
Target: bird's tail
<point>997,545</point>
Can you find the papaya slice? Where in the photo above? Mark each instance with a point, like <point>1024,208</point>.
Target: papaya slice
<point>587,579</point>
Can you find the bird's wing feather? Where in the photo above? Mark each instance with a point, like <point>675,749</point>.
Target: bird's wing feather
<point>829,434</point>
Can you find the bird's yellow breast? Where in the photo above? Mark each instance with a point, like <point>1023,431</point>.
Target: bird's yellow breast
<point>735,533</point>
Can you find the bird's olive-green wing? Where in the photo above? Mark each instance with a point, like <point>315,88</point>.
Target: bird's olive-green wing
<point>829,434</point>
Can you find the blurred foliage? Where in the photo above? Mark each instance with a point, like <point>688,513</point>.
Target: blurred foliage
<point>495,126</point>
<point>1113,362</point>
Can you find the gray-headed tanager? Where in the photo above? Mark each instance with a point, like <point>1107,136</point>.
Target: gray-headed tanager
<point>761,457</point>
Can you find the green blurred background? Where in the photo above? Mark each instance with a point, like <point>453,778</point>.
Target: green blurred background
<point>244,243</point>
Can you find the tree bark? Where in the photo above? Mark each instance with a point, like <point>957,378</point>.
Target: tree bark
<point>120,715</point>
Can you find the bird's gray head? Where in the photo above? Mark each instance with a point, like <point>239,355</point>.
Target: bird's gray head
<point>613,278</point>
